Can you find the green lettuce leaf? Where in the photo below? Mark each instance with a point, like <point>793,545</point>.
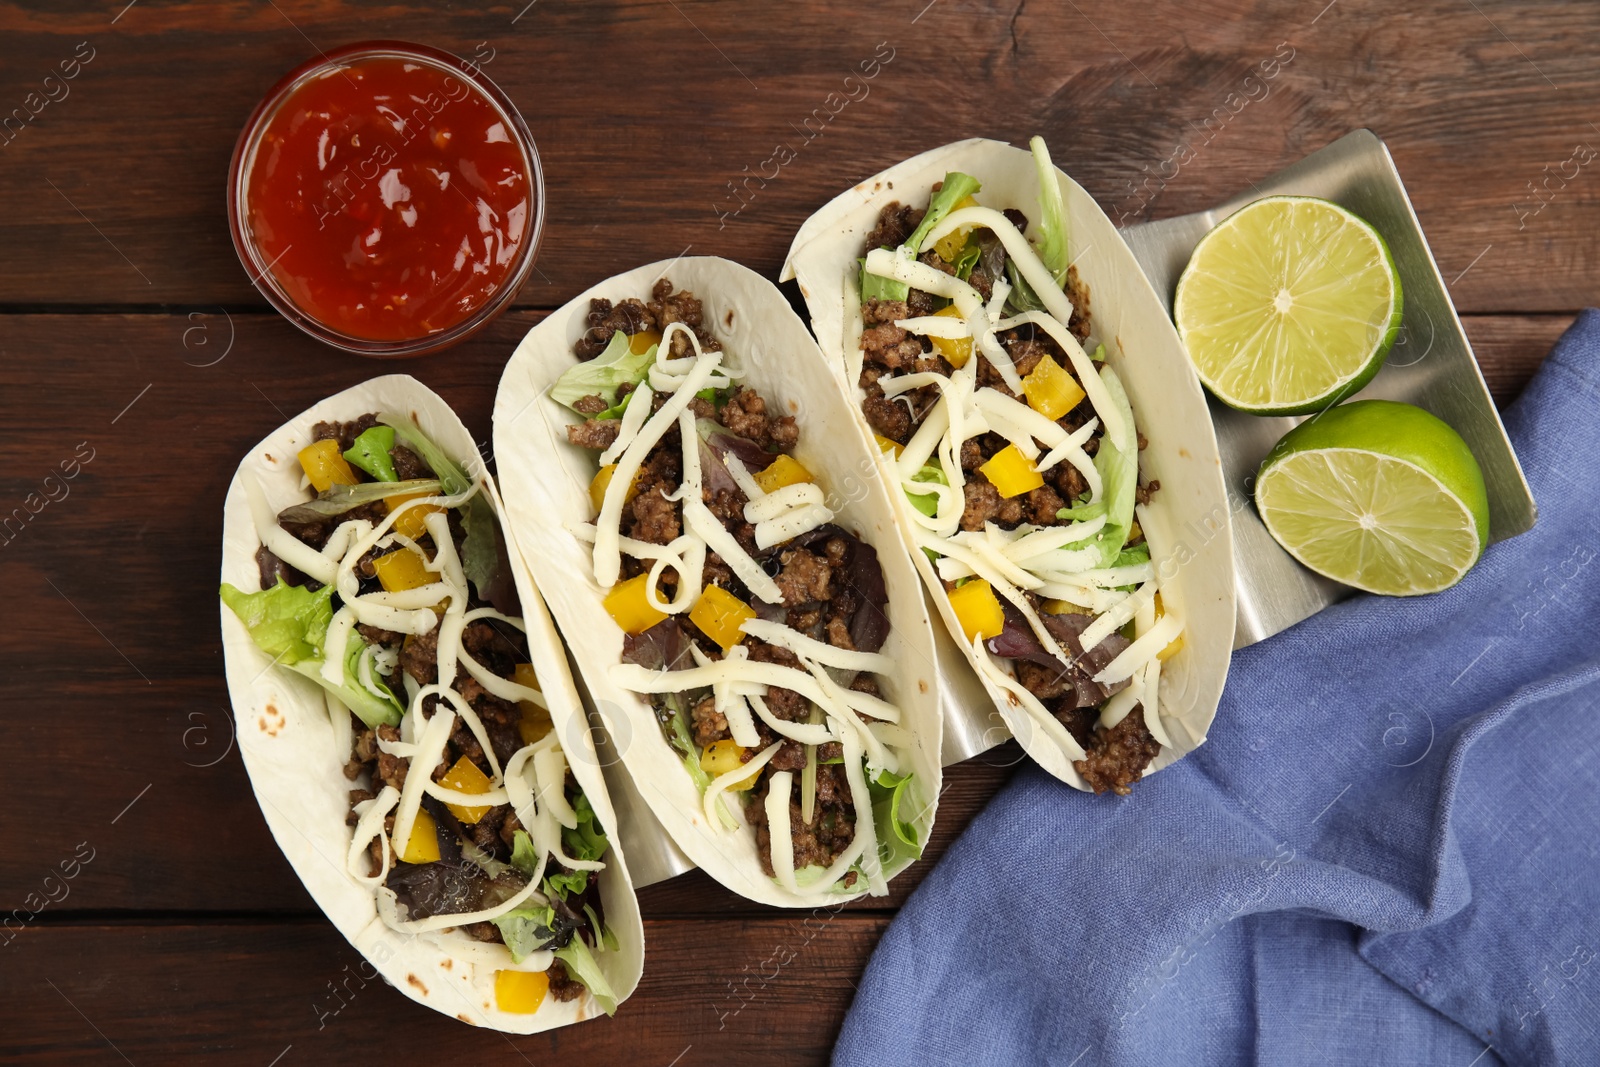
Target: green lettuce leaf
<point>524,853</point>
<point>565,883</point>
<point>290,624</point>
<point>452,479</point>
<point>967,259</point>
<point>370,452</point>
<point>1119,473</point>
<point>587,841</point>
<point>1133,555</point>
<point>877,287</point>
<point>527,930</point>
<point>338,499</point>
<point>1051,233</point>
<point>480,548</point>
<point>1083,512</point>
<point>601,375</point>
<point>680,740</point>
<point>1052,243</point>
<point>525,858</point>
<point>287,622</point>
<point>927,503</point>
<point>956,188</point>
<point>608,939</point>
<point>582,966</point>
<point>897,838</point>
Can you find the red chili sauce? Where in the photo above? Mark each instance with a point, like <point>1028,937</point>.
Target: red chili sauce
<point>390,198</point>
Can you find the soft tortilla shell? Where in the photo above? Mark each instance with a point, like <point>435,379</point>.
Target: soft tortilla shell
<point>287,742</point>
<point>1190,530</point>
<point>546,483</point>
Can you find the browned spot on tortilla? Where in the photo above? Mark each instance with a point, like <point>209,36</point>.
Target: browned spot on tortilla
<point>270,459</point>
<point>271,729</point>
<point>1118,339</point>
<point>466,1020</point>
<point>1012,698</point>
<point>922,686</point>
<point>414,980</point>
<point>1184,452</point>
<point>728,318</point>
<point>446,964</point>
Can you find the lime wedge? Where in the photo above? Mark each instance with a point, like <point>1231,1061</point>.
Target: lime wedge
<point>1378,495</point>
<point>1289,305</point>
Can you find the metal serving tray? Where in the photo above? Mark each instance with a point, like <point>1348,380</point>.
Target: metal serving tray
<point>1431,365</point>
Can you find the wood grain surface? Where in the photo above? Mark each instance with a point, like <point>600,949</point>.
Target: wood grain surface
<point>132,344</point>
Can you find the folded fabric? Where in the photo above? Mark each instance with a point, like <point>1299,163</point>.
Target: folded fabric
<point>1388,851</point>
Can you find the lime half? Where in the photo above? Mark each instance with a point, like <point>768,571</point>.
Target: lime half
<point>1288,306</point>
<point>1378,495</point>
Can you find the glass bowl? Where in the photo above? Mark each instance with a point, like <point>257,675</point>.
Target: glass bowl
<point>244,222</point>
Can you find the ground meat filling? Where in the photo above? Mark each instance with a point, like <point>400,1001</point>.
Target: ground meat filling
<point>1116,757</point>
<point>451,884</point>
<point>635,316</point>
<point>813,572</point>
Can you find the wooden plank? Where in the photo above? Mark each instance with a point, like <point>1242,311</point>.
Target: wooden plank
<point>695,127</point>
<point>1510,348</point>
<point>715,992</point>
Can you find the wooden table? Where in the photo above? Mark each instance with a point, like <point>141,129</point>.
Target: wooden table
<point>130,339</point>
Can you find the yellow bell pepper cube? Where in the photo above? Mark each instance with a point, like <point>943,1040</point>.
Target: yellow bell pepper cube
<point>643,341</point>
<point>1065,607</point>
<point>1050,390</point>
<point>887,445</point>
<point>977,609</point>
<point>1011,472</point>
<point>784,470</point>
<point>411,522</point>
<point>326,466</point>
<point>950,245</point>
<point>535,721</point>
<point>719,614</point>
<point>402,570</point>
<point>1176,645</point>
<point>720,757</point>
<point>626,603</point>
<point>955,350</point>
<point>423,844</point>
<point>465,777</point>
<point>520,992</point>
<point>602,482</point>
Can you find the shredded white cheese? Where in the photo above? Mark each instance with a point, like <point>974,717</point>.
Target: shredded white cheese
<point>716,809</point>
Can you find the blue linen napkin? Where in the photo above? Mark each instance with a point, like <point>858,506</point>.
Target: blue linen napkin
<point>1388,852</point>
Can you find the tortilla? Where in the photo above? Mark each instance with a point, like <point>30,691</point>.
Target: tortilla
<point>287,742</point>
<point>547,480</point>
<point>1189,529</point>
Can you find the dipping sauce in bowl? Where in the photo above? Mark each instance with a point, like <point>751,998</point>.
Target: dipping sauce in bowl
<point>387,198</point>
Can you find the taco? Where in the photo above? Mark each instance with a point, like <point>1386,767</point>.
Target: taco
<point>408,720</point>
<point>728,572</point>
<point>1062,490</point>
